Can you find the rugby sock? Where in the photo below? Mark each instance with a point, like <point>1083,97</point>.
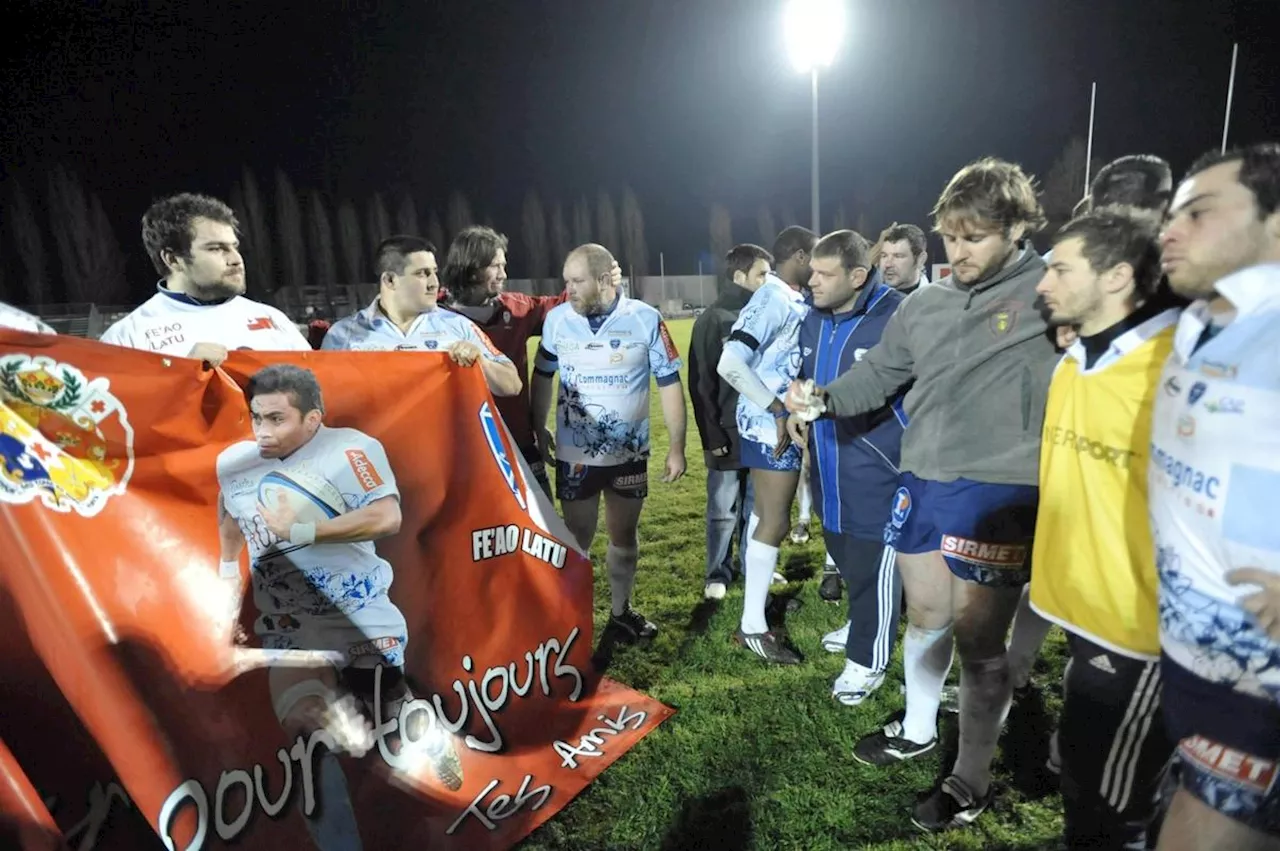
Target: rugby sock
<point>752,522</point>
<point>760,561</point>
<point>333,824</point>
<point>831,564</point>
<point>926,661</point>
<point>984,700</point>
<point>806,503</point>
<point>621,567</point>
<point>1029,631</point>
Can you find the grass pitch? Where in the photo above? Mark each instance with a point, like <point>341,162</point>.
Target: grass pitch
<point>759,757</point>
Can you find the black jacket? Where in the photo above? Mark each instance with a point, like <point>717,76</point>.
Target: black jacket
<point>715,402</point>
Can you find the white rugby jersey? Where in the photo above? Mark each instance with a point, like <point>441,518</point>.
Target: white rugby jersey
<point>602,415</point>
<point>1215,484</point>
<point>20,320</point>
<point>316,579</point>
<point>371,330</point>
<point>171,323</point>
<point>767,337</point>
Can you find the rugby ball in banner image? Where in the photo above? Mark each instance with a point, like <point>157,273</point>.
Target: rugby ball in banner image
<point>310,497</point>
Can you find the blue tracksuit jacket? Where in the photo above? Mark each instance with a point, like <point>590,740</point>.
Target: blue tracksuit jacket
<point>854,460</point>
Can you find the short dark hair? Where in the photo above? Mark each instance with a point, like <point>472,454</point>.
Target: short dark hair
<point>991,190</point>
<point>470,253</point>
<point>298,384</point>
<point>1117,234</point>
<point>169,224</point>
<point>394,250</point>
<point>1137,180</point>
<point>912,234</point>
<point>742,257</point>
<point>850,246</point>
<point>1259,172</point>
<point>791,240</point>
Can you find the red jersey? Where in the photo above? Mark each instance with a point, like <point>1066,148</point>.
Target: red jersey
<point>514,319</point>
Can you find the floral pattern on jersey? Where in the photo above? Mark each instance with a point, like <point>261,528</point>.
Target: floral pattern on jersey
<point>316,591</point>
<point>1224,641</point>
<point>599,431</point>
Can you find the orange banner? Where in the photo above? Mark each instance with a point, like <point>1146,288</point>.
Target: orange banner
<point>129,715</point>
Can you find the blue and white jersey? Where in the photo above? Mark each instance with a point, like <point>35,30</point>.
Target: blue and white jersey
<point>767,338</point>
<point>433,330</point>
<point>1215,483</point>
<point>317,579</point>
<point>602,416</point>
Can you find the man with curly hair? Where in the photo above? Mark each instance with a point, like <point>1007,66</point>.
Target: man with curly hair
<point>199,309</point>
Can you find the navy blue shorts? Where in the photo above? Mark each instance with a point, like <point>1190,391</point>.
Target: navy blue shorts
<point>1228,745</point>
<point>759,456</point>
<point>983,530</point>
<point>581,481</point>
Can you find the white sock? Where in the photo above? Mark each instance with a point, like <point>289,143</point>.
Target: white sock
<point>984,699</point>
<point>621,567</point>
<point>752,522</point>
<point>806,502</point>
<point>926,661</point>
<point>853,669</point>
<point>758,565</point>
<point>831,565</point>
<point>1029,631</point>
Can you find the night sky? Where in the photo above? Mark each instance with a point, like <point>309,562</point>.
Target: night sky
<point>689,102</point>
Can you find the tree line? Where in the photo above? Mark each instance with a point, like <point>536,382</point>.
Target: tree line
<point>64,247</point>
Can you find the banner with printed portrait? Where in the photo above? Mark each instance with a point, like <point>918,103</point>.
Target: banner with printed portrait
<point>140,707</point>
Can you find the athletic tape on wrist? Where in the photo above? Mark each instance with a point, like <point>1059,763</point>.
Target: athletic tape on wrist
<point>229,569</point>
<point>302,533</point>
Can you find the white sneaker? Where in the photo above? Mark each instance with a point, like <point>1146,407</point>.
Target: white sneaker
<point>714,591</point>
<point>837,640</point>
<point>855,684</point>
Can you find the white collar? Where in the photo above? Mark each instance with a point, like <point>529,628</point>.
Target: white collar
<point>1251,290</point>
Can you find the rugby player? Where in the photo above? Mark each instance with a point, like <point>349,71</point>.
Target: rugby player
<point>199,309</point>
<point>1094,563</point>
<point>475,276</point>
<point>1214,480</point>
<point>605,347</point>
<point>320,585</point>
<point>980,355</point>
<point>854,461</point>
<point>404,316</point>
<point>760,359</point>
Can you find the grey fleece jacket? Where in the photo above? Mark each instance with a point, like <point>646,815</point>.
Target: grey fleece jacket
<point>981,358</point>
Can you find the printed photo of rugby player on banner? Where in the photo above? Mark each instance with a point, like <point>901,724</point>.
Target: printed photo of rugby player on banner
<point>310,501</point>
<point>277,604</point>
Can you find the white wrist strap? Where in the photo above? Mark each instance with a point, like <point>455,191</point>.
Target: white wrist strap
<point>302,534</point>
<point>229,569</point>
<point>814,406</point>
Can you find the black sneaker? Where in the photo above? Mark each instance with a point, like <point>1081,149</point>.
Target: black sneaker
<point>831,588</point>
<point>767,646</point>
<point>887,746</point>
<point>632,626</point>
<point>951,804</point>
